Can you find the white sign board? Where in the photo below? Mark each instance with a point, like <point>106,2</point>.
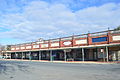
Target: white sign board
<point>83,41</point>
<point>116,38</point>
<point>36,46</point>
<point>28,47</point>
<point>54,44</point>
<point>12,48</point>
<point>17,48</point>
<point>22,47</point>
<point>101,50</point>
<point>44,45</point>
<point>67,50</point>
<point>67,43</point>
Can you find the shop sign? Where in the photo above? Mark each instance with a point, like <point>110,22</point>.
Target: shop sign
<point>22,47</point>
<point>54,44</point>
<point>99,39</point>
<point>115,38</point>
<point>44,45</point>
<point>83,41</point>
<point>17,48</point>
<point>101,50</point>
<point>12,48</point>
<point>67,50</point>
<point>35,46</point>
<point>28,47</point>
<point>67,43</point>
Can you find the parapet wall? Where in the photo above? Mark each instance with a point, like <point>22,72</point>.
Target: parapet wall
<point>98,38</point>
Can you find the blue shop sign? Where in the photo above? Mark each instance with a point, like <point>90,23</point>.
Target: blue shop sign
<point>100,39</point>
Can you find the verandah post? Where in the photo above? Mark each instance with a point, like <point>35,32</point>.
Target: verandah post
<point>15,56</point>
<point>22,56</point>
<point>65,55</point>
<point>107,53</point>
<point>39,55</point>
<point>83,54</point>
<point>51,57</point>
<point>29,55</point>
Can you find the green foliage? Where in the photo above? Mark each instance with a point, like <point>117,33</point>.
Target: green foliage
<point>118,28</point>
<point>8,47</point>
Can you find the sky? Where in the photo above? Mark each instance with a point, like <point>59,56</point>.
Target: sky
<point>24,21</point>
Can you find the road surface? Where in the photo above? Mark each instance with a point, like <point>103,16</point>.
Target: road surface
<point>27,70</point>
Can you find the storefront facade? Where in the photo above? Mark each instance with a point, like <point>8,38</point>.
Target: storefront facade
<point>99,46</point>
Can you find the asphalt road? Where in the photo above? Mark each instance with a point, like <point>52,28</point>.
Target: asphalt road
<point>21,70</point>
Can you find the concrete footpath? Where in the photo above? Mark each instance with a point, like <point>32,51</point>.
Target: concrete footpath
<point>89,62</point>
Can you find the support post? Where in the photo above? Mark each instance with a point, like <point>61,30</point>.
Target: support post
<point>65,55</point>
<point>83,59</point>
<point>39,55</point>
<point>15,56</point>
<point>103,56</point>
<point>51,59</point>
<point>10,55</point>
<point>107,53</point>
<point>22,55</point>
<point>29,55</point>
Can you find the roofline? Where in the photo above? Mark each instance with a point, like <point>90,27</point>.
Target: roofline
<point>90,46</point>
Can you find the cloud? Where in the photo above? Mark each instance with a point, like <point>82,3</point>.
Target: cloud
<point>42,19</point>
<point>106,15</point>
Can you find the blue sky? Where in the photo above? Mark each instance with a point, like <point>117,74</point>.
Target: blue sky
<point>27,20</point>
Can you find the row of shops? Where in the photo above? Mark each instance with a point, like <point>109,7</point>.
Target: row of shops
<point>99,46</point>
<point>96,53</point>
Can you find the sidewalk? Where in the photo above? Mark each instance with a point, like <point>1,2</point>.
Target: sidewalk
<point>89,62</point>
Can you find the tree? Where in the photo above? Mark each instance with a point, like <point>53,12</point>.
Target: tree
<point>118,28</point>
<point>8,47</point>
<point>2,48</point>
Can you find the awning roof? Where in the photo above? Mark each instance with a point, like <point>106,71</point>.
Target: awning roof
<point>90,46</point>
